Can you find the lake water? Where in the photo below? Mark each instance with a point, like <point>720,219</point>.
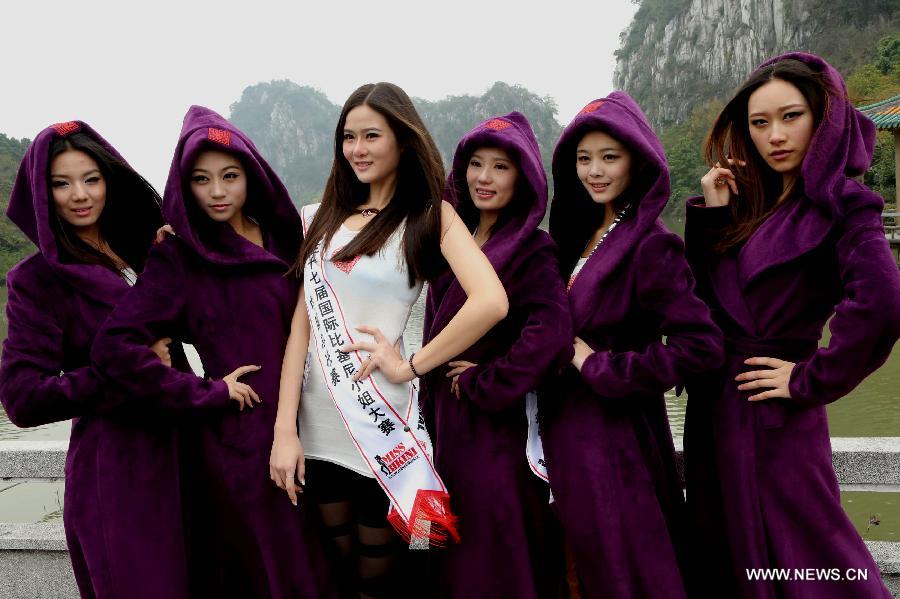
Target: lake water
<point>871,410</point>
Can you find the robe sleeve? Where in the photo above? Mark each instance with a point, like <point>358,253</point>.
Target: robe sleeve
<point>704,227</point>
<point>866,321</point>
<point>704,224</point>
<point>693,342</point>
<point>545,342</point>
<point>153,309</point>
<point>33,388</point>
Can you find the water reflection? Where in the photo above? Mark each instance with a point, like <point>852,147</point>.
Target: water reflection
<point>31,501</point>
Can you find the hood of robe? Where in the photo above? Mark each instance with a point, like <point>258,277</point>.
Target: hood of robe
<point>619,116</point>
<point>268,201</point>
<point>513,134</point>
<point>130,218</point>
<point>842,146</point>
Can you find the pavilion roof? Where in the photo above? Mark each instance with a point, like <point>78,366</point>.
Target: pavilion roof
<point>885,114</point>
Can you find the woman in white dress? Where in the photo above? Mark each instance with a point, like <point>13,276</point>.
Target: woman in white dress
<point>380,231</point>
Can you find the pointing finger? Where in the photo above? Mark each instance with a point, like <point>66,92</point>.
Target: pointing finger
<point>239,372</point>
<point>365,371</point>
<point>374,331</point>
<point>763,361</point>
<point>358,346</point>
<point>756,374</point>
<point>761,396</point>
<point>253,394</point>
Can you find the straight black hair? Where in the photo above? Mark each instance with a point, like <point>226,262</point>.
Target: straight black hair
<point>130,217</point>
<point>417,198</point>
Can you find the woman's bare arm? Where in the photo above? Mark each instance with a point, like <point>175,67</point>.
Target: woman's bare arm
<point>486,302</point>
<point>286,462</point>
<point>485,306</point>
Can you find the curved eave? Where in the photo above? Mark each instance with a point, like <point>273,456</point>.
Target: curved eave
<point>885,114</point>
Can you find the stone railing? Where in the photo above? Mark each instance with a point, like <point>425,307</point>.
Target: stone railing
<point>34,562</point>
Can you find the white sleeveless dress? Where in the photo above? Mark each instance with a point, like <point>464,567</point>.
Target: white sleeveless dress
<point>373,291</point>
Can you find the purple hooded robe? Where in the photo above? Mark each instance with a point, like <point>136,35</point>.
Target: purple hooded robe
<point>607,440</point>
<point>215,289</point>
<point>510,544</point>
<point>760,483</point>
<point>122,510</point>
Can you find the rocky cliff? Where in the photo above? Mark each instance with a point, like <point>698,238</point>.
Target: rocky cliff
<point>677,54</point>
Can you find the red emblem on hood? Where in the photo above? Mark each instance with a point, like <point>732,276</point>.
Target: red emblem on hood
<point>66,128</point>
<point>591,107</point>
<point>497,124</point>
<point>220,136</point>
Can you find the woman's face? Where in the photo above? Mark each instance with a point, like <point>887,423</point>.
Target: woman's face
<point>491,177</point>
<point>603,165</point>
<point>78,189</point>
<point>219,185</point>
<point>781,125</point>
<point>370,146</point>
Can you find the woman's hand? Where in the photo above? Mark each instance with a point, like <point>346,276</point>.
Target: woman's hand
<point>718,185</point>
<point>161,349</point>
<point>459,367</point>
<point>382,355</point>
<point>582,351</point>
<point>162,232</point>
<point>778,378</point>
<point>241,392</point>
<point>287,464</point>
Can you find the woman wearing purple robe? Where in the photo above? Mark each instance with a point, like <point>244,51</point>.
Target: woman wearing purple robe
<point>476,404</point>
<point>783,239</point>
<point>93,220</point>
<point>219,284</point>
<point>607,442</point>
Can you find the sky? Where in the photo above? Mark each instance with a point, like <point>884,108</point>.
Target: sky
<point>131,70</point>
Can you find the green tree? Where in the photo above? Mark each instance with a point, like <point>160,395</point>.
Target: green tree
<point>868,85</point>
<point>874,82</point>
<point>684,149</point>
<point>881,177</point>
<point>888,54</point>
<point>14,246</point>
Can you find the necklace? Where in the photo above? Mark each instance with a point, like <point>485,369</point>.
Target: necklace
<point>367,212</point>
<point>475,236</point>
<point>102,246</point>
<point>612,226</point>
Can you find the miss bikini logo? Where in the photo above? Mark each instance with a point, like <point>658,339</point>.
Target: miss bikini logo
<point>397,459</point>
<point>67,128</point>
<point>497,124</point>
<point>219,136</point>
<point>592,107</point>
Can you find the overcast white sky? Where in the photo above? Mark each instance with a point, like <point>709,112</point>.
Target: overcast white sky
<point>132,69</point>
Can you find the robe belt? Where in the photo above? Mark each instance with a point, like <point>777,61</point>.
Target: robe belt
<point>792,350</point>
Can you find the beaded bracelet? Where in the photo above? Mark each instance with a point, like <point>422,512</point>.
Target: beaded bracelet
<point>411,367</point>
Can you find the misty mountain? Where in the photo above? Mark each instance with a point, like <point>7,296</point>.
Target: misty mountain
<point>293,126</point>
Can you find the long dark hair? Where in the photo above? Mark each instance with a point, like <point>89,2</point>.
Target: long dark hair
<point>417,198</point>
<point>761,187</point>
<point>573,227</point>
<point>471,215</point>
<point>130,216</point>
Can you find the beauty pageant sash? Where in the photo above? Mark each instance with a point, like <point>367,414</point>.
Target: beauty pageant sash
<point>396,447</point>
